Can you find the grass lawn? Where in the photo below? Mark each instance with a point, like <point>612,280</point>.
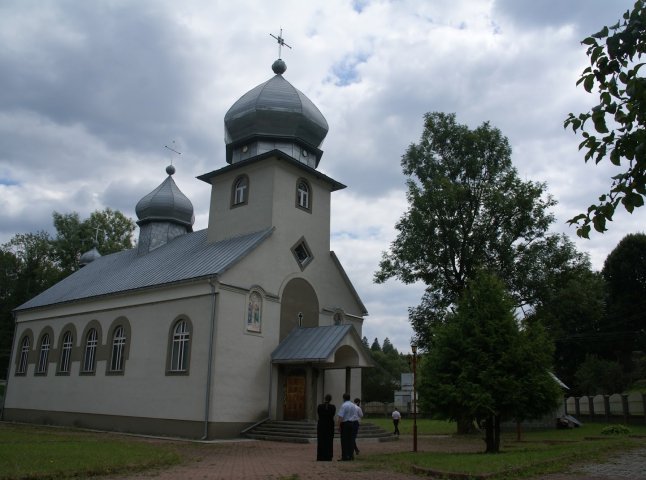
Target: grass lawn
<point>28,452</point>
<point>424,426</point>
<point>539,452</point>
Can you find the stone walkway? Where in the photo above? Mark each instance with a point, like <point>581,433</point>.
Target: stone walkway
<point>261,460</point>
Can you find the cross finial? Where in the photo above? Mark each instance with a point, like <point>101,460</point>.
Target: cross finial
<point>172,149</point>
<point>281,41</point>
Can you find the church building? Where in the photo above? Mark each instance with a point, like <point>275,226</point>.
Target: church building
<point>202,334</point>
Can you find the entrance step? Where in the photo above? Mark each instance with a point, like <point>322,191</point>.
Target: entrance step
<point>305,432</point>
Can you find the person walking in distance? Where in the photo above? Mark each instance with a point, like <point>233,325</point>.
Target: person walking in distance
<point>325,430</point>
<point>356,421</point>
<point>396,418</point>
<point>344,416</point>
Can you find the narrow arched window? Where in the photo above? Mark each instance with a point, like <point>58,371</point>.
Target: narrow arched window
<point>303,194</point>
<point>66,353</point>
<point>43,355</point>
<point>118,348</point>
<point>180,348</point>
<point>89,354</point>
<point>240,192</point>
<point>24,356</point>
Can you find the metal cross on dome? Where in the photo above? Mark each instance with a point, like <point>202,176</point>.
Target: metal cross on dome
<point>281,41</point>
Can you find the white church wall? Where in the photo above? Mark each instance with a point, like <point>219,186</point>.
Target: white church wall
<point>144,389</point>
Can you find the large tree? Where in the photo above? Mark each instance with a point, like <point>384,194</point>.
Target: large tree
<point>379,383</point>
<point>482,364</point>
<point>625,274</point>
<point>469,209</point>
<point>615,128</point>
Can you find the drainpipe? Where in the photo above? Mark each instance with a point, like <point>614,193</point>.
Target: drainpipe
<point>207,394</point>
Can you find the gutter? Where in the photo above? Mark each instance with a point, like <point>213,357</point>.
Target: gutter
<point>207,393</point>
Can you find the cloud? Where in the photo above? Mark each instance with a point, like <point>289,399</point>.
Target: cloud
<point>90,92</point>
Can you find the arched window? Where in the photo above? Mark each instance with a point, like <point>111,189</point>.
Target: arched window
<point>118,349</point>
<point>24,356</point>
<point>254,312</point>
<point>43,355</point>
<point>66,353</point>
<point>303,194</point>
<point>240,191</point>
<point>89,354</point>
<point>180,347</point>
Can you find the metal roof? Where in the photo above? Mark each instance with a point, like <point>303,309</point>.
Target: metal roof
<point>184,258</point>
<point>166,203</point>
<point>275,108</point>
<point>314,344</point>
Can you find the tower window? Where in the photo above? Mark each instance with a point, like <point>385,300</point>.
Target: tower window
<point>302,253</point>
<point>303,195</point>
<point>240,191</point>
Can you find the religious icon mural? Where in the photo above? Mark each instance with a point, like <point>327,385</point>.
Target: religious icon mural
<point>254,312</point>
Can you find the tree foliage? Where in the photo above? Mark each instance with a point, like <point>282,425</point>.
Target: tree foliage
<point>615,128</point>
<point>482,364</point>
<point>380,382</point>
<point>468,209</point>
<point>625,274</point>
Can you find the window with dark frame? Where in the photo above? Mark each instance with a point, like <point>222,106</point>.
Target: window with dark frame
<point>303,194</point>
<point>118,348</point>
<point>43,355</point>
<point>180,347</point>
<point>66,353</point>
<point>24,356</point>
<point>240,192</point>
<point>89,355</point>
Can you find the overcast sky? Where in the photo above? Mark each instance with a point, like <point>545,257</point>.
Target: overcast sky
<point>90,92</point>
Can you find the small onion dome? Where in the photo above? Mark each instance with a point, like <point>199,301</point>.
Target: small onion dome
<point>89,256</point>
<point>276,110</point>
<point>166,203</point>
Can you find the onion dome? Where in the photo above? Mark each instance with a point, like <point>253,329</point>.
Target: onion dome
<point>274,112</point>
<point>89,256</point>
<point>166,203</point>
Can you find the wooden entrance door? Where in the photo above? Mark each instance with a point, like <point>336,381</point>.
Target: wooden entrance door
<point>294,407</point>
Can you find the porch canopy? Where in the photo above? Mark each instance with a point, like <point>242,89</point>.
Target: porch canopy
<point>334,346</point>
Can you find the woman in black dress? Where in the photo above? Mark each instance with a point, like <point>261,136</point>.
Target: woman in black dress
<point>325,430</point>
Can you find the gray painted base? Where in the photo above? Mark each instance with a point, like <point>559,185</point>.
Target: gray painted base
<point>137,425</point>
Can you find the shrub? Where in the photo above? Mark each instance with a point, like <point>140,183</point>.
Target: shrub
<point>615,430</point>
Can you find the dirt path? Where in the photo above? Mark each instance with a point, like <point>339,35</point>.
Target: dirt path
<point>256,460</point>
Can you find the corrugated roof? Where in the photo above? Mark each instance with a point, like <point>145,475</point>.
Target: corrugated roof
<point>184,258</point>
<point>313,344</point>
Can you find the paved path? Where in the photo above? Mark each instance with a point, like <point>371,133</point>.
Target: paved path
<point>260,460</point>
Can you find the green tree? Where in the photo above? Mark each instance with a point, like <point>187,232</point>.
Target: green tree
<point>468,209</point>
<point>27,267</point>
<point>625,274</point>
<point>387,346</point>
<point>379,383</point>
<point>615,127</point>
<point>111,230</point>
<point>482,364</point>
<point>596,376</point>
<point>375,347</point>
<point>573,313</point>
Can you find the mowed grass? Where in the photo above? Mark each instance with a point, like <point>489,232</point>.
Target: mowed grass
<point>539,452</point>
<point>424,426</point>
<point>28,452</point>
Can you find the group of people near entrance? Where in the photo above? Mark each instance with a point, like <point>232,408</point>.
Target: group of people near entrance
<point>347,421</point>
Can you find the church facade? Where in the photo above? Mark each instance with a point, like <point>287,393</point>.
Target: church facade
<point>202,334</point>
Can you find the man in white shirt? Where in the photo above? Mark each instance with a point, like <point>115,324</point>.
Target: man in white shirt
<point>344,415</point>
<point>356,419</point>
<point>396,418</point>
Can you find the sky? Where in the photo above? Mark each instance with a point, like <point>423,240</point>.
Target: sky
<point>91,92</point>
